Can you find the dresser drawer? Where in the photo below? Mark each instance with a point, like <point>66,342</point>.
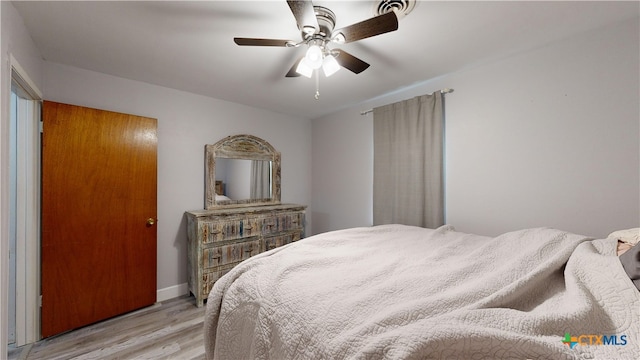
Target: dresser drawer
<point>215,231</point>
<point>227,254</point>
<point>282,222</point>
<point>210,277</point>
<point>219,239</point>
<point>273,242</point>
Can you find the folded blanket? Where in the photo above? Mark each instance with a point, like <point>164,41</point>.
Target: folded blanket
<point>402,292</point>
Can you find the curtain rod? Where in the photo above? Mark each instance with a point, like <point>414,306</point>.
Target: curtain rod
<point>444,91</point>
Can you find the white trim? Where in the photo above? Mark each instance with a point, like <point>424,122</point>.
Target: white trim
<point>28,222</point>
<point>172,292</point>
<point>28,211</point>
<point>5,114</point>
<point>21,221</point>
<point>24,79</point>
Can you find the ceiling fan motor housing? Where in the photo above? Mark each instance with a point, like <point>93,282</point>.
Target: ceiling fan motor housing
<point>326,20</point>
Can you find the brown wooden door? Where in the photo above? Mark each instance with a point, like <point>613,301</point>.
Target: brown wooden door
<point>98,191</point>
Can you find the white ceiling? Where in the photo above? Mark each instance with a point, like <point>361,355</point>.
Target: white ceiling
<point>189,45</point>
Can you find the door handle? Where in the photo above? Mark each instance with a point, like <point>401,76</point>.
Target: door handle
<point>151,221</point>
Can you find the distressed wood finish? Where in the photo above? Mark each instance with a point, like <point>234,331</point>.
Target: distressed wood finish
<point>220,239</point>
<point>228,232</point>
<point>168,330</point>
<point>247,147</point>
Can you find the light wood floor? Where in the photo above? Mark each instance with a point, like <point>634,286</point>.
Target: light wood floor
<point>169,330</point>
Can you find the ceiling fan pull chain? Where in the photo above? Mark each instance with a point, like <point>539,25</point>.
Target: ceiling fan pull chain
<point>317,95</point>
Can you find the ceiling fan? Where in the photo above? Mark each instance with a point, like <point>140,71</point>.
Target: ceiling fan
<point>316,24</point>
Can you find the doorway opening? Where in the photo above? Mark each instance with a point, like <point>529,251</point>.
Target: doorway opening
<point>23,325</point>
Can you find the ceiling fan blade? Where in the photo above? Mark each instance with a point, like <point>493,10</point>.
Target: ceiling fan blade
<point>262,42</point>
<point>292,72</point>
<point>375,26</point>
<point>350,62</point>
<point>305,15</point>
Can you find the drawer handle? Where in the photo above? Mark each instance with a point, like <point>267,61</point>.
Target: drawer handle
<point>206,231</point>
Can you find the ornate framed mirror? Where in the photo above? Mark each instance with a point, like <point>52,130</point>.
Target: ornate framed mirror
<point>241,170</point>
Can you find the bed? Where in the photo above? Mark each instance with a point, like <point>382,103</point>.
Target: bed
<point>403,292</point>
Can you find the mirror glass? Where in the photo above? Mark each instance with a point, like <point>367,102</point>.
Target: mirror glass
<point>243,179</point>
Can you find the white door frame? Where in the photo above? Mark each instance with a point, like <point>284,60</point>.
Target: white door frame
<point>27,209</point>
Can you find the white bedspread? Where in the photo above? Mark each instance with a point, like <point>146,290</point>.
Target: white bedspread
<point>401,292</point>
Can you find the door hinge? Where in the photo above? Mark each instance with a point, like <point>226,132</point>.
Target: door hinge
<point>41,126</point>
<point>40,301</point>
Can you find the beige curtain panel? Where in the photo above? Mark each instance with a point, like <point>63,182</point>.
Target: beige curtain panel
<point>408,185</point>
<point>260,179</point>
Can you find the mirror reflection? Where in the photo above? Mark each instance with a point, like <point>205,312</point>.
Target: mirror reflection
<point>241,179</point>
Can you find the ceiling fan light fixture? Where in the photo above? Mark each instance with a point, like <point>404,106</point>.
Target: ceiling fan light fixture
<point>330,65</point>
<point>314,57</point>
<point>317,25</point>
<point>303,68</point>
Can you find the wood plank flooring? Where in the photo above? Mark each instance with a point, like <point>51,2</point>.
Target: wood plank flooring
<point>169,330</point>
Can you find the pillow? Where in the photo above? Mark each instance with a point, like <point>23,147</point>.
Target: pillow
<point>631,263</point>
<point>630,236</point>
<point>221,197</point>
<point>622,248</point>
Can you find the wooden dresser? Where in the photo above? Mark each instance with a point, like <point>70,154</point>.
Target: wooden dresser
<point>219,239</point>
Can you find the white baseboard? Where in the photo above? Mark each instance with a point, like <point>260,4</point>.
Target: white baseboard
<point>172,292</point>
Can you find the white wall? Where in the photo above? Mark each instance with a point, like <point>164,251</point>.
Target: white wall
<point>342,158</point>
<point>236,176</point>
<point>549,137</point>
<point>186,122</point>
